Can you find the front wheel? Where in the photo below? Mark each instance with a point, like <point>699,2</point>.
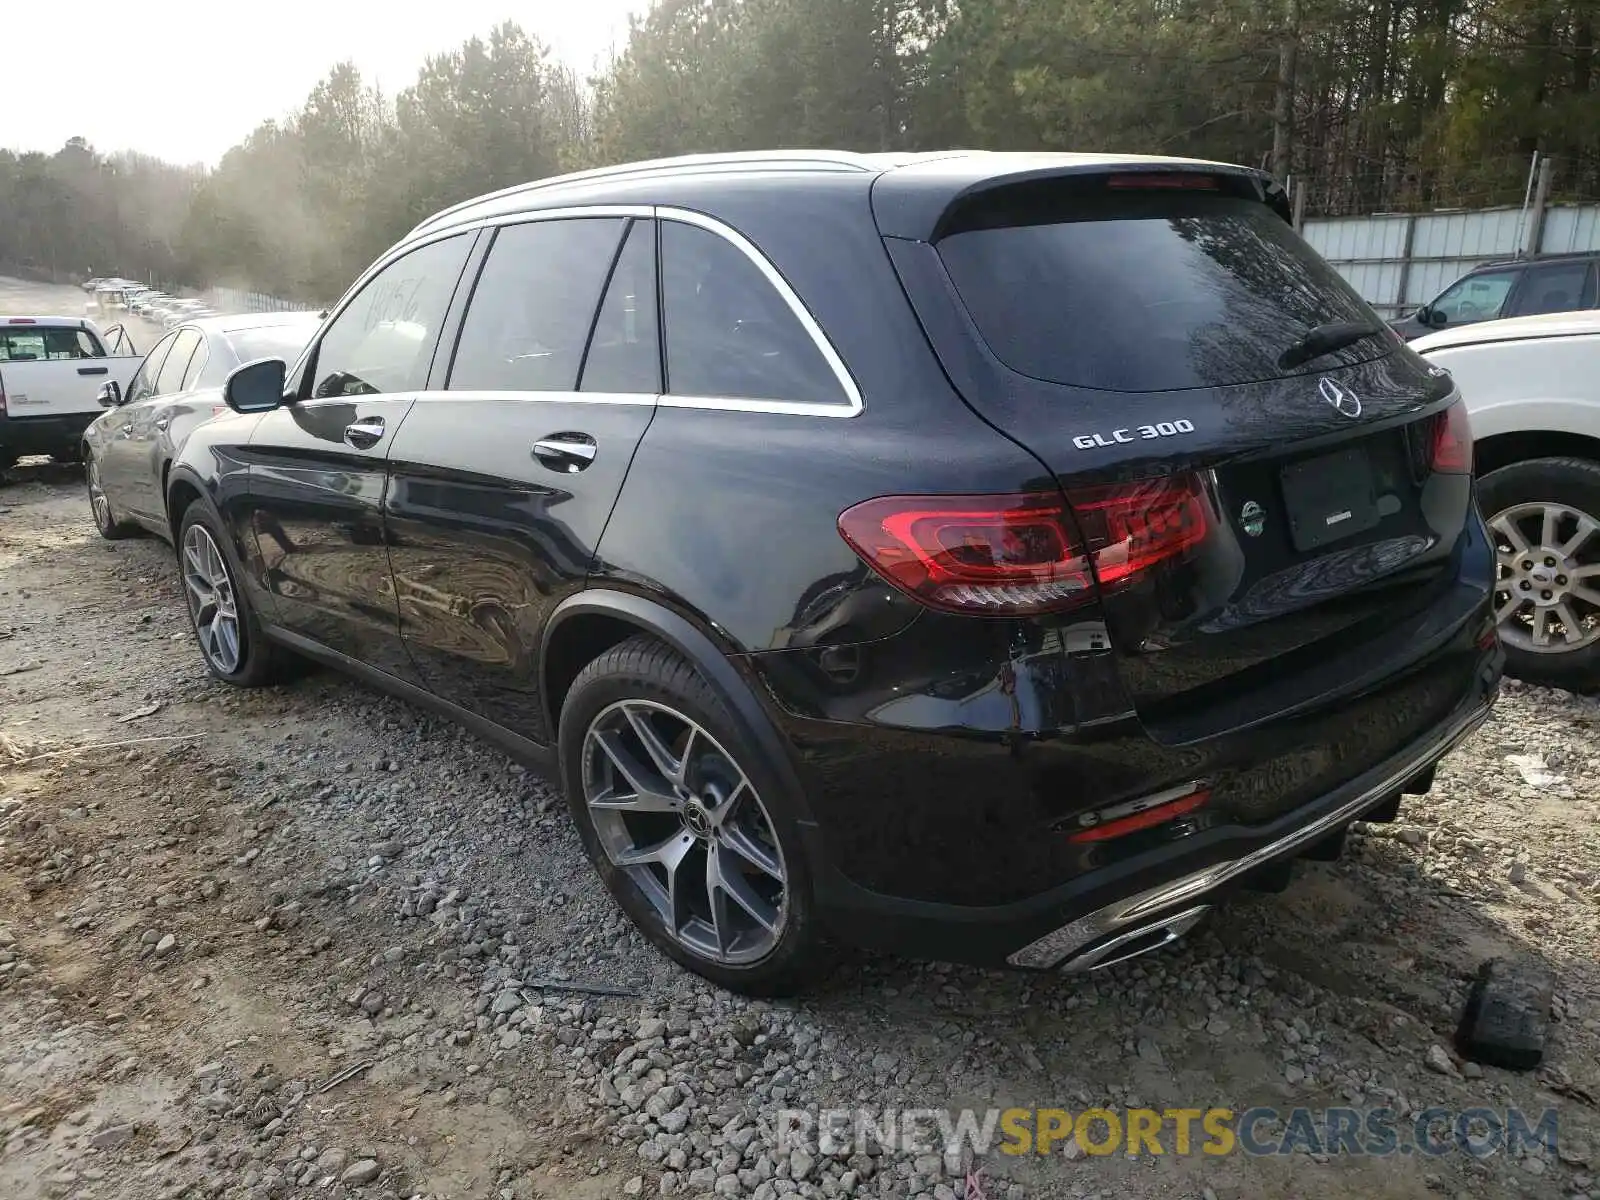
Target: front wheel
<point>685,822</point>
<point>230,638</point>
<point>1544,518</point>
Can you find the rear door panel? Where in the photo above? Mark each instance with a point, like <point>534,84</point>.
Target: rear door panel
<point>485,541</point>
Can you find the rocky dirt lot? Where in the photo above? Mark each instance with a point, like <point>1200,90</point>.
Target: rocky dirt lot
<point>312,941</point>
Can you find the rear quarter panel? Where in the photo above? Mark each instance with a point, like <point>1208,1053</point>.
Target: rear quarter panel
<point>731,517</point>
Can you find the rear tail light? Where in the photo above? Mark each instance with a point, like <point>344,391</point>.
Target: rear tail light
<point>2,397</point>
<point>1021,555</point>
<point>1451,452</point>
<point>1001,555</point>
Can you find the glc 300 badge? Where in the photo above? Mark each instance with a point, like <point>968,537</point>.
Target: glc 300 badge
<point>1252,518</point>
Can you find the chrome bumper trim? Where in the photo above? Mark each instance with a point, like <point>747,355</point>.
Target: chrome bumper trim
<point>1139,908</point>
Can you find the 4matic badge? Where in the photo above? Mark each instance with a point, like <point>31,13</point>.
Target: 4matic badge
<point>1133,433</point>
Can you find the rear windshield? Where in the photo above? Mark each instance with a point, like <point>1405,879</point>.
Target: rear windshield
<point>272,341</point>
<point>1143,292</point>
<point>40,343</point>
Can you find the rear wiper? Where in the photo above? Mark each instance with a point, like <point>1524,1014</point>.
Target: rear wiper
<point>1325,339</point>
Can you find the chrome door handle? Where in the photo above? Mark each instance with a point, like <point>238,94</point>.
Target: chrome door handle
<point>364,433</point>
<point>566,452</point>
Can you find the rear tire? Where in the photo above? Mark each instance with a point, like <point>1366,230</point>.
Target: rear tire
<point>1544,519</point>
<point>225,625</point>
<point>105,518</point>
<point>718,879</point>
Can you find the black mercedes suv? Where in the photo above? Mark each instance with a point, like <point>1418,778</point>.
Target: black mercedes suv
<point>986,557</point>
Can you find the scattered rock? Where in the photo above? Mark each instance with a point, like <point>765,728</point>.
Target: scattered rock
<point>112,1137</point>
<point>361,1171</point>
<point>1438,1059</point>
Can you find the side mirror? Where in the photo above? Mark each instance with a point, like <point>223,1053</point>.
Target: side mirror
<point>257,386</point>
<point>1435,319</point>
<point>110,394</point>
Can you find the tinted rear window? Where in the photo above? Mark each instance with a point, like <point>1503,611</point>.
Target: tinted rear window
<point>272,341</point>
<point>1141,292</point>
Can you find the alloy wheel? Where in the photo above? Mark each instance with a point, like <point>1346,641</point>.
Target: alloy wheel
<point>677,813</point>
<point>1547,591</point>
<point>212,604</point>
<point>97,496</point>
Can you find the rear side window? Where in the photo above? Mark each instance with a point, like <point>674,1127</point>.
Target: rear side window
<point>197,363</point>
<point>535,300</point>
<point>1560,287</point>
<point>174,369</point>
<point>729,333</point>
<point>271,341</point>
<point>625,350</point>
<point>45,342</point>
<point>1145,291</point>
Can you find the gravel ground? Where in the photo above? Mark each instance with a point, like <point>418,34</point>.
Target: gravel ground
<point>311,940</point>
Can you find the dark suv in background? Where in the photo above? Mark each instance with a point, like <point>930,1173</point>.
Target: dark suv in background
<point>987,557</point>
<point>1514,288</point>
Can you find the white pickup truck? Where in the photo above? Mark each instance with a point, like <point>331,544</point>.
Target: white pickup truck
<point>51,373</point>
<point>1532,387</point>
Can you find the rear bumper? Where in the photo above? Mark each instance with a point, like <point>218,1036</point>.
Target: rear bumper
<point>1081,917</point>
<point>1284,839</point>
<point>44,435</point>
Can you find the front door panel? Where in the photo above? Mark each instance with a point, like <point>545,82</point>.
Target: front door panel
<point>317,519</point>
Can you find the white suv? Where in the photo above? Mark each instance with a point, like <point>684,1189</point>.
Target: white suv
<point>1532,387</point>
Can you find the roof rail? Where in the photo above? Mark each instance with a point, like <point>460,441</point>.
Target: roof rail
<point>769,159</point>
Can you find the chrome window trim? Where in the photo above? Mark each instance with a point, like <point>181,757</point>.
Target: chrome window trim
<point>808,408</point>
<point>647,399</point>
<point>852,406</point>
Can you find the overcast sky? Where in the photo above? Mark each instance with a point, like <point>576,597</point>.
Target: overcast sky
<point>186,79</point>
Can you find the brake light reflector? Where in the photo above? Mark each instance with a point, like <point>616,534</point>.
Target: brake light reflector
<point>1180,181</point>
<point>1145,818</point>
<point>1452,441</point>
<point>22,321</point>
<point>1021,555</point>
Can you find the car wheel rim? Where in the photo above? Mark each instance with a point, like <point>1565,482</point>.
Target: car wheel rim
<point>212,605</point>
<point>97,497</point>
<point>1547,587</point>
<point>675,812</point>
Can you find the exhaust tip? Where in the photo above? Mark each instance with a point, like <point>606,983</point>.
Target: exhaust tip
<point>1136,942</point>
